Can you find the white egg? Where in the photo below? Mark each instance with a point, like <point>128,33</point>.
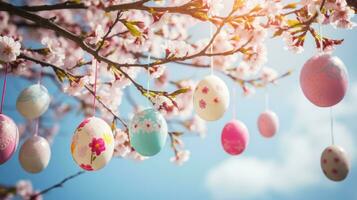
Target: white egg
<point>33,101</point>
<point>211,98</point>
<point>92,144</point>
<point>35,154</point>
<point>335,163</point>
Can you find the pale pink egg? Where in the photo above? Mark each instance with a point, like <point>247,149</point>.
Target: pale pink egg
<point>335,163</point>
<point>324,80</point>
<point>9,138</point>
<point>268,123</point>
<point>35,154</point>
<point>235,137</point>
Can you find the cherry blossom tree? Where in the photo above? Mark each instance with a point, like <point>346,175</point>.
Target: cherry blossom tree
<point>119,35</point>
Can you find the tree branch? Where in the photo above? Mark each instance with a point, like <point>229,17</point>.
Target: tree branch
<point>58,185</point>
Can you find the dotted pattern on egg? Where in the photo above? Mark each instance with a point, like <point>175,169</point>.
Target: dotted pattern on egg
<point>334,163</point>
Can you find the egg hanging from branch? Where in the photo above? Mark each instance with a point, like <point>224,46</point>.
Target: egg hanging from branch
<point>335,163</point>
<point>324,80</point>
<point>235,137</point>
<point>148,132</point>
<point>211,98</point>
<point>33,101</point>
<point>9,138</point>
<point>268,123</point>
<point>35,154</point>
<point>92,144</point>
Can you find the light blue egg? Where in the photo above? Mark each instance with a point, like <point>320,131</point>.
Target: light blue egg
<point>33,101</point>
<point>148,132</point>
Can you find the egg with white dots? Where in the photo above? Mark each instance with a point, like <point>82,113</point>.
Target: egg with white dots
<point>211,98</point>
<point>335,163</point>
<point>33,101</point>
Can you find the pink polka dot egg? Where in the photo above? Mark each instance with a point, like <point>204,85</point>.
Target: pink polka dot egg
<point>324,80</point>
<point>268,123</point>
<point>9,138</point>
<point>92,144</point>
<point>334,163</point>
<point>235,137</point>
<point>211,98</point>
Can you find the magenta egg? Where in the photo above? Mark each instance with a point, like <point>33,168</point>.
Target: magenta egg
<point>235,137</point>
<point>9,138</point>
<point>324,80</point>
<point>268,124</point>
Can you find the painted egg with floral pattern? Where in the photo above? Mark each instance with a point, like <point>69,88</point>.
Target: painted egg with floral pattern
<point>324,80</point>
<point>235,137</point>
<point>148,132</point>
<point>211,98</point>
<point>92,144</point>
<point>334,163</point>
<point>9,138</point>
<point>33,101</point>
<point>35,154</point>
<point>268,123</point>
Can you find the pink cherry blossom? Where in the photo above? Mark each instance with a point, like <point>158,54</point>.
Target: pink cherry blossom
<point>9,49</point>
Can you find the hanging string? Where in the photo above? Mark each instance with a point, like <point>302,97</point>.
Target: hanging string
<point>148,73</point>
<point>37,122</point>
<point>95,85</point>
<point>321,38</point>
<point>266,96</point>
<point>332,133</point>
<point>3,88</point>
<point>211,48</point>
<point>234,103</point>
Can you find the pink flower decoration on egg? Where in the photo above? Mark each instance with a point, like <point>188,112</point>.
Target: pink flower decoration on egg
<point>86,167</point>
<point>97,146</point>
<point>83,123</point>
<point>202,104</point>
<point>235,137</point>
<point>205,90</point>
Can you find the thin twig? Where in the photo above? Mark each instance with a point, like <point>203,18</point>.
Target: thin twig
<point>58,185</point>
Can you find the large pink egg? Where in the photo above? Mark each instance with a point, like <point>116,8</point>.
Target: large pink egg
<point>35,154</point>
<point>268,124</point>
<point>235,137</point>
<point>9,138</point>
<point>335,163</point>
<point>324,80</point>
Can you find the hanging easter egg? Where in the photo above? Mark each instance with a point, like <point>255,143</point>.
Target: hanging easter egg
<point>9,138</point>
<point>35,154</point>
<point>33,101</point>
<point>148,132</point>
<point>268,123</point>
<point>324,80</point>
<point>235,137</point>
<point>92,144</point>
<point>211,98</point>
<point>334,163</point>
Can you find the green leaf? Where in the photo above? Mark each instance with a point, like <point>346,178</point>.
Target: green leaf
<point>179,91</point>
<point>60,75</point>
<point>290,6</point>
<point>132,28</point>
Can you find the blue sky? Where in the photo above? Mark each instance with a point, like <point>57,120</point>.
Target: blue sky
<point>267,170</point>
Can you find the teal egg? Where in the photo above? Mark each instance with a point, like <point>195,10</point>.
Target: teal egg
<point>148,132</point>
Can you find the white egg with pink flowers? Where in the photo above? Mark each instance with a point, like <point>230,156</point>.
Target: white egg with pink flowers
<point>211,98</point>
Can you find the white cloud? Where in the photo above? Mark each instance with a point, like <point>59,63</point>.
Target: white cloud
<point>296,164</point>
